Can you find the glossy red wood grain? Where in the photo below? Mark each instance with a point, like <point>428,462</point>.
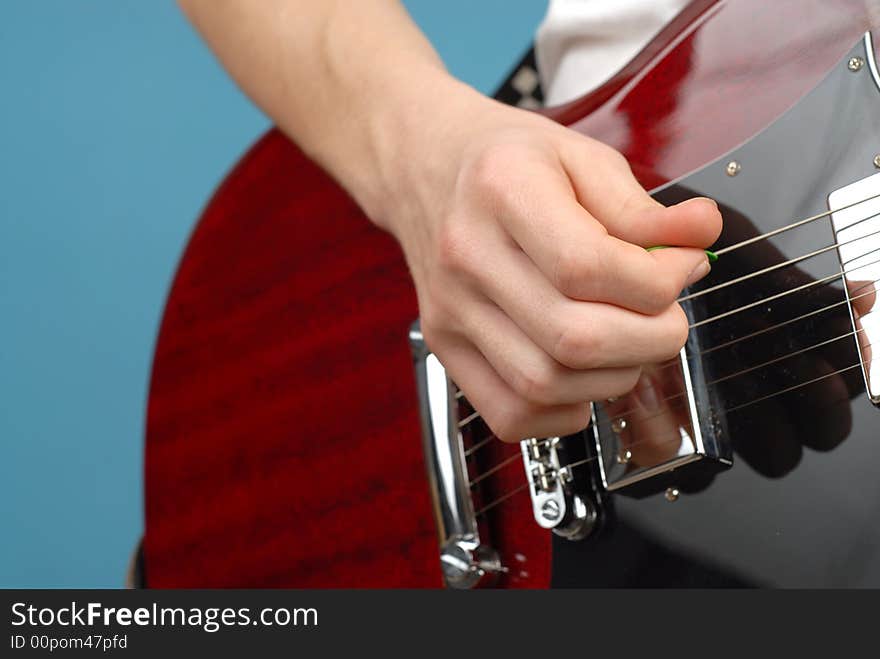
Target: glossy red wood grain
<point>282,431</point>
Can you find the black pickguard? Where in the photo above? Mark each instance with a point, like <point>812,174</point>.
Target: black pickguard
<point>801,505</point>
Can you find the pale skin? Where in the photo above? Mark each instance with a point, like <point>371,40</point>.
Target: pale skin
<point>525,240</point>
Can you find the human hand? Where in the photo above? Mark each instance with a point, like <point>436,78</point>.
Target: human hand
<point>526,242</point>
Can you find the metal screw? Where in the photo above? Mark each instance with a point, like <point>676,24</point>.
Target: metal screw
<point>877,161</point>
<point>672,494</point>
<point>855,64</point>
<point>624,456</point>
<point>733,168</point>
<point>550,510</point>
<point>618,425</point>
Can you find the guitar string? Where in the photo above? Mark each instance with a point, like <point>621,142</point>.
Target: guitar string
<point>721,252</point>
<point>790,320</point>
<point>754,401</point>
<point>510,459</point>
<point>475,415</point>
<point>480,444</point>
<point>789,227</point>
<point>494,469</point>
<point>778,266</point>
<point>728,313</point>
<point>579,463</point>
<point>676,362</point>
<point>744,371</point>
<point>623,414</point>
<point>501,499</point>
<point>781,265</point>
<point>786,293</point>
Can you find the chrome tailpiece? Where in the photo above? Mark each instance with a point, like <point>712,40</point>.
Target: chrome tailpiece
<point>465,560</point>
<point>561,497</point>
<point>555,505</point>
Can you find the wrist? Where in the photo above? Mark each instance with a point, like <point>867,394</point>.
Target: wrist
<point>396,131</point>
<point>414,147</point>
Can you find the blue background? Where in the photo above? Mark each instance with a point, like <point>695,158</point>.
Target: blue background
<point>115,126</point>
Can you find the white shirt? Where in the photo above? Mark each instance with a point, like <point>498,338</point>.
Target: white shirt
<point>582,43</point>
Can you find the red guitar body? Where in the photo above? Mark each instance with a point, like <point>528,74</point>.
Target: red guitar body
<point>282,439</point>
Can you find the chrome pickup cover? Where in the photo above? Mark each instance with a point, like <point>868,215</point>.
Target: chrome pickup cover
<point>856,223</point>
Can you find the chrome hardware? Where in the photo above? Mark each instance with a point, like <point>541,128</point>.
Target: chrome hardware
<point>466,562</point>
<point>541,462</point>
<point>642,456</point>
<point>554,504</point>
<point>856,223</point>
<point>583,518</point>
<point>696,427</point>
<point>550,511</point>
<point>628,454</point>
<point>868,42</point>
<point>855,64</point>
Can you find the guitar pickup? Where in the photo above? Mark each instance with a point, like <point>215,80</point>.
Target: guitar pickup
<point>855,218</point>
<point>643,451</point>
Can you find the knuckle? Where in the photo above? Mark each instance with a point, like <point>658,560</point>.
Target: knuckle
<point>653,305</point>
<point>617,160</point>
<point>575,421</point>
<point>664,291</point>
<point>430,324</point>
<point>438,315</point>
<point>454,248</point>
<point>627,381</point>
<point>434,325</point>
<point>669,289</point>
<point>538,384</point>
<point>576,346</point>
<point>490,171</point>
<point>611,156</point>
<point>509,422</point>
<point>519,420</point>
<point>575,272</point>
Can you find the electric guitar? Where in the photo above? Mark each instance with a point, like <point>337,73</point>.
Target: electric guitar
<point>301,434</point>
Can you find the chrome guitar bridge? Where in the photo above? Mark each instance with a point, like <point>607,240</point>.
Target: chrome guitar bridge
<point>554,503</point>
<point>560,497</point>
<point>466,561</point>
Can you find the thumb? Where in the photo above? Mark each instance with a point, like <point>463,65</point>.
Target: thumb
<point>605,186</point>
<point>692,223</point>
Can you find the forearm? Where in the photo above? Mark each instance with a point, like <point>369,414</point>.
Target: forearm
<point>346,80</point>
<point>525,240</point>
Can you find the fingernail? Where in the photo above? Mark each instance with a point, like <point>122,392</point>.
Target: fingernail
<point>647,394</point>
<point>698,273</point>
<point>701,200</point>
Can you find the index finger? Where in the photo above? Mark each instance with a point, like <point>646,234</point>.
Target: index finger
<point>576,253</point>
